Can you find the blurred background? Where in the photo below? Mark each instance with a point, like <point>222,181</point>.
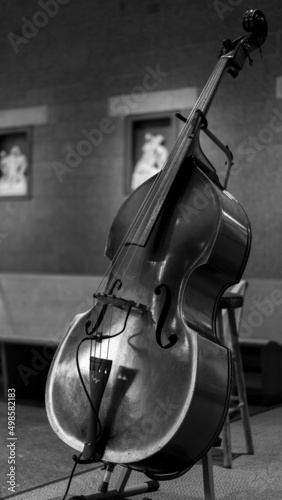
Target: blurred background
<point>69,68</point>
<point>88,96</point>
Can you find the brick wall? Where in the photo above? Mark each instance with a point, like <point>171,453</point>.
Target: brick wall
<point>82,53</point>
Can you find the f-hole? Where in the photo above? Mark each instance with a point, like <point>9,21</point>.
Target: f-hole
<point>172,339</point>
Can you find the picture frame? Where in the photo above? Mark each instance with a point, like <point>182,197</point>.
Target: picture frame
<point>15,163</point>
<point>140,126</point>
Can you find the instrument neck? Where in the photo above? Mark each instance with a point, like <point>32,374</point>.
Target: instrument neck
<point>206,97</point>
<point>146,219</point>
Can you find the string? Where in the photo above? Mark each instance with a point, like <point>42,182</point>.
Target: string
<point>149,201</point>
<point>164,174</point>
<point>178,151</point>
<point>158,182</point>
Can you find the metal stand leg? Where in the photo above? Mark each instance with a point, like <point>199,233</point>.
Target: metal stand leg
<point>226,443</point>
<point>241,388</point>
<point>120,491</point>
<point>230,339</point>
<point>226,434</point>
<point>208,476</point>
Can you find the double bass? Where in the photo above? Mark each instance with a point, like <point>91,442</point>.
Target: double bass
<point>141,379</point>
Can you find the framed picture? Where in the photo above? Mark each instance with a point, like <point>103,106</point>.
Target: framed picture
<point>15,163</point>
<point>149,139</point>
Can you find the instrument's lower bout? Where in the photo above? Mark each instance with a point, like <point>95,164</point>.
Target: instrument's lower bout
<point>154,430</point>
<point>205,411</point>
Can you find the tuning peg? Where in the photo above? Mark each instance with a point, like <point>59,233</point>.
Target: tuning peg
<point>254,21</point>
<point>227,44</point>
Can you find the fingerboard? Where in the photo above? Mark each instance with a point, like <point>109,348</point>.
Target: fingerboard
<point>154,202</point>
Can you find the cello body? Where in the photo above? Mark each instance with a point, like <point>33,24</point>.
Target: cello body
<point>163,407</point>
<point>150,388</point>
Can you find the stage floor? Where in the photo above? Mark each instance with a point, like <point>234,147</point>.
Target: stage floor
<point>43,463</point>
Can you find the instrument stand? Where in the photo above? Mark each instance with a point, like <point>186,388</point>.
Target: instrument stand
<point>208,476</point>
<point>122,492</point>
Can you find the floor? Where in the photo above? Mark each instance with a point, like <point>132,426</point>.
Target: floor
<point>44,463</point>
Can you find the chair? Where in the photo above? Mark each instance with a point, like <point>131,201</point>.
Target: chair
<point>228,321</point>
